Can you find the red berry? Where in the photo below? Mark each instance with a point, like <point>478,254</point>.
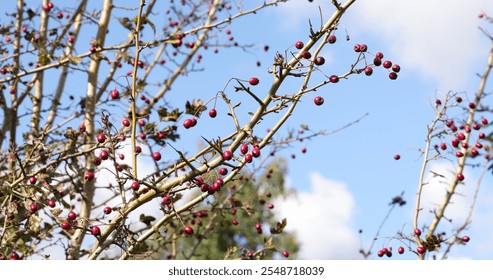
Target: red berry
<point>66,225</point>
<point>377,61</point>
<point>396,68</point>
<point>387,64</point>
<point>234,222</point>
<point>368,71</point>
<point>126,122</point>
<point>357,47</point>
<point>72,215</point>
<point>104,155</point>
<point>135,186</point>
<point>254,81</point>
<point>33,207</point>
<point>420,250</point>
<point>223,171</point>
<point>379,55</point>
<point>331,39</point>
<point>484,121</point>
<point>393,75</point>
<point>306,55</point>
<point>400,250</point>
<point>443,146</point>
<point>32,180</point>
<point>334,79</point>
<point>188,123</point>
<point>256,152</point>
<point>244,148</point>
<point>417,232</point>
<point>319,100</point>
<point>89,175</point>
<point>212,113</point>
<point>95,230</point>
<point>481,135</point>
<point>227,155</point>
<point>51,203</point>
<point>92,49</point>
<point>459,154</point>
<point>363,48</point>
<point>194,122</point>
<point>188,230</point>
<point>319,60</point>
<point>285,254</point>
<point>461,136</point>
<point>101,138</point>
<point>465,238</point>
<point>248,158</point>
<point>397,157</point>
<point>455,142</point>
<point>107,210</point>
<point>156,156</point>
<point>299,45</point>
<point>166,200</point>
<point>115,94</point>
<point>472,105</point>
<point>460,177</point>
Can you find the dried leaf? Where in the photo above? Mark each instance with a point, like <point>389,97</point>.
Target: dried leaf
<point>195,108</point>
<point>279,227</point>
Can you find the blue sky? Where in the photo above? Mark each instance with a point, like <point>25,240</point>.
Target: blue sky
<point>346,180</point>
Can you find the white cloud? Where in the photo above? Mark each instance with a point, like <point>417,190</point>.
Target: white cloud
<point>321,220</point>
<point>438,39</point>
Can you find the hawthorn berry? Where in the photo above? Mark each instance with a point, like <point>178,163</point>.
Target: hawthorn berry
<point>51,203</point>
<point>256,152</point>
<point>334,79</point>
<point>254,81</point>
<point>156,156</point>
<point>387,64</point>
<point>72,215</point>
<point>166,200</point>
<point>32,180</point>
<point>417,231</point>
<point>331,39</point>
<point>357,48</point>
<point>115,94</point>
<point>135,186</point>
<point>95,230</point>
<point>223,171</point>
<point>396,68</point>
<point>319,60</point>
<point>66,225</point>
<point>363,48</point>
<point>89,175</point>
<point>465,238</point>
<point>368,71</point>
<point>244,148</point>
<point>299,45</point>
<point>377,61</point>
<point>319,100</point>
<point>212,113</point>
<point>460,177</point>
<point>397,156</point>
<point>306,55</point>
<point>234,222</point>
<point>227,155</point>
<point>248,158</point>
<point>107,210</point>
<point>285,254</point>
<point>400,250</point>
<point>379,55</point>
<point>33,207</point>
<point>101,138</point>
<point>393,75</point>
<point>188,230</point>
<point>188,123</point>
<point>420,250</point>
